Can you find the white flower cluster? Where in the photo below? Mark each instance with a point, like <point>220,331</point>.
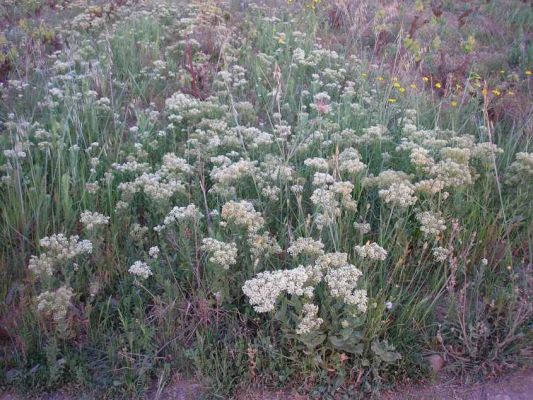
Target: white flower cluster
<point>342,284</point>
<point>344,189</point>
<point>399,194</point>
<point>298,56</point>
<point>92,220</point>
<point>521,170</point>
<point>331,260</point>
<point>15,154</point>
<point>386,178</point>
<point>182,105</point>
<point>92,187</point>
<point>349,161</point>
<point>62,247</point>
<point>220,253</point>
<point>132,166</point>
<point>140,269</point>
<point>362,227</point>
<point>262,244</point>
<point>372,251</point>
<point>322,103</point>
<point>156,186</point>
<point>160,185</point>
<point>485,151</point>
<point>429,186</point>
<point>460,155</point>
<point>174,165</point>
<point>333,268</point>
<point>42,265</point>
<point>431,223</point>
<point>179,215</point>
<point>329,197</point>
<point>277,170</point>
<point>310,321</point>
<point>55,304</point>
<point>138,233</point>
<point>266,287</point>
<point>374,134</point>
<point>444,156</point>
<point>318,163</point>
<point>271,192</point>
<point>307,247</point>
<point>253,137</point>
<point>325,199</point>
<point>242,214</point>
<point>327,207</point>
<point>59,249</point>
<point>441,253</point>
<point>420,157</point>
<point>229,174</point>
<point>452,174</point>
<point>154,252</point>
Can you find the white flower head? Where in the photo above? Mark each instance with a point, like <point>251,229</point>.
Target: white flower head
<point>93,220</point>
<point>154,252</point>
<point>310,320</point>
<point>140,270</point>
<point>372,251</point>
<point>220,253</point>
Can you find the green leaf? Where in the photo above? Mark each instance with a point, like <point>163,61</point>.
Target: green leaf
<point>313,340</point>
<point>349,345</point>
<point>385,351</point>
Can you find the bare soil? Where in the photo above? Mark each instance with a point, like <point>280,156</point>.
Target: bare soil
<point>516,386</point>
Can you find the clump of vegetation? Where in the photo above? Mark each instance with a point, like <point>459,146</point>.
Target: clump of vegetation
<point>242,196</point>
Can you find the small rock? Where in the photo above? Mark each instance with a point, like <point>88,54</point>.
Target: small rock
<point>436,362</point>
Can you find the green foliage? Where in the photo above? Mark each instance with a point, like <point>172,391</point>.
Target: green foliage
<point>179,123</point>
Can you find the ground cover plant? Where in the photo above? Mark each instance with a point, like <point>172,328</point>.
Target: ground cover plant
<point>317,195</point>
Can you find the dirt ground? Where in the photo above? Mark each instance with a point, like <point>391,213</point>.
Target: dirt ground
<point>517,386</point>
